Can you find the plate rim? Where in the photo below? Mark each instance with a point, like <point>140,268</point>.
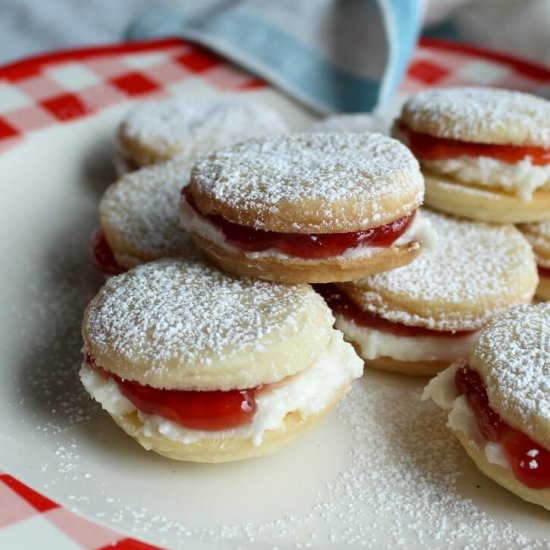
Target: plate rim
<point>16,69</point>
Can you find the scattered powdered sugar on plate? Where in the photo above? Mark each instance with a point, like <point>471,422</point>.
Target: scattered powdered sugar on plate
<point>400,487</point>
<point>483,115</point>
<point>142,209</point>
<point>367,172</point>
<point>474,271</point>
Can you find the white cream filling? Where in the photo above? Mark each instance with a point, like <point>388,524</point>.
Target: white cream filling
<point>442,390</point>
<point>520,178</point>
<point>105,391</point>
<point>420,231</point>
<point>307,393</point>
<point>377,343</point>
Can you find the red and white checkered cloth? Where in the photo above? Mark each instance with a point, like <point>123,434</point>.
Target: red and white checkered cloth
<point>66,86</point>
<point>27,517</point>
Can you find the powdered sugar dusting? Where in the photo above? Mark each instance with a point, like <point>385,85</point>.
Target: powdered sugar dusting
<point>473,266</point>
<point>142,208</point>
<point>188,312</point>
<point>194,127</point>
<point>514,352</point>
<point>483,115</point>
<point>367,171</point>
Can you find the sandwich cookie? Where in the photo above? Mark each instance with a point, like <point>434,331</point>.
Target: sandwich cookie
<point>485,153</point>
<point>139,219</point>
<point>498,404</point>
<point>538,235</point>
<point>420,318</point>
<point>359,122</point>
<point>202,366</point>
<point>307,207</point>
<point>157,131</point>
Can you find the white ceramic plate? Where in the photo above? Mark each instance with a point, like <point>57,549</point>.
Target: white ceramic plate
<point>382,471</point>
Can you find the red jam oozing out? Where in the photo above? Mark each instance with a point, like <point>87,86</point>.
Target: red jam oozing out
<point>544,272</point>
<point>196,410</point>
<point>342,305</point>
<point>303,245</point>
<point>429,147</point>
<point>102,255</point>
<point>530,461</point>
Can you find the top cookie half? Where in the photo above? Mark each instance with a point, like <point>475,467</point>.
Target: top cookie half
<point>480,115</point>
<point>310,183</point>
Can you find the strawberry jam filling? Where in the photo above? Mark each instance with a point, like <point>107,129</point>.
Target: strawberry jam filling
<point>544,272</point>
<point>344,306</point>
<point>530,461</point>
<point>429,147</point>
<point>103,256</point>
<point>303,245</point>
<point>196,410</point>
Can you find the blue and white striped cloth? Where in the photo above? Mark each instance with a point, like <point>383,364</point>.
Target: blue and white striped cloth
<point>332,55</point>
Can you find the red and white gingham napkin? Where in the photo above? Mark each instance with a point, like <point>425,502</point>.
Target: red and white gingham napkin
<point>31,520</point>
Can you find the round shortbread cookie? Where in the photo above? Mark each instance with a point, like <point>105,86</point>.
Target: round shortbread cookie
<point>156,131</point>
<point>185,325</point>
<point>480,115</point>
<point>359,122</point>
<point>538,235</point>
<point>512,356</point>
<point>489,205</point>
<point>310,183</point>
<point>474,272</point>
<point>140,218</point>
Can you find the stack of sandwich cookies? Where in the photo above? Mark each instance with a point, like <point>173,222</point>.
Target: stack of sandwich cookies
<point>485,153</point>
<point>157,131</point>
<point>498,405</point>
<point>307,207</point>
<point>139,219</point>
<point>421,317</point>
<point>202,366</point>
<point>538,234</point>
<point>137,213</point>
